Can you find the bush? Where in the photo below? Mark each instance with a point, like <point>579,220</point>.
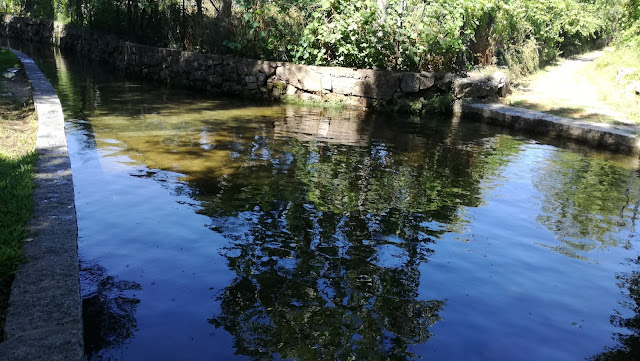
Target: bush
<point>411,35</point>
<point>416,35</point>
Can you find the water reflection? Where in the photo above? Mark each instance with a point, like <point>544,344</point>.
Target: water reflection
<point>108,306</point>
<point>335,235</point>
<point>587,202</point>
<point>627,319</point>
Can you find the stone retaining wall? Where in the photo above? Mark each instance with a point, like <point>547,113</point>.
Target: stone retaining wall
<point>230,75</point>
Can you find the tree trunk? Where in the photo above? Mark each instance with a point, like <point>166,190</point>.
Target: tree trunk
<point>79,14</point>
<point>183,31</point>
<point>129,16</point>
<point>198,24</point>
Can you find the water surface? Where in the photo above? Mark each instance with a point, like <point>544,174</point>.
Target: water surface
<point>213,229</point>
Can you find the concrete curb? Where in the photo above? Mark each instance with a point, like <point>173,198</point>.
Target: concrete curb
<point>617,139</point>
<point>44,319</point>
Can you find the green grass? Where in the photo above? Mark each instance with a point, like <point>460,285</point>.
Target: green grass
<point>7,60</point>
<point>16,185</point>
<point>17,160</point>
<point>331,104</point>
<point>603,72</point>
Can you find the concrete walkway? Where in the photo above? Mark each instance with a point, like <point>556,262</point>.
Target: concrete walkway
<point>44,319</point>
<point>563,86</point>
<point>566,86</point>
<point>596,135</point>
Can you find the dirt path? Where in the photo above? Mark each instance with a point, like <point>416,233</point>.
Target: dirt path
<point>565,90</point>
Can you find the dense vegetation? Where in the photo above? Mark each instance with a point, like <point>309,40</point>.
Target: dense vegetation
<point>382,34</point>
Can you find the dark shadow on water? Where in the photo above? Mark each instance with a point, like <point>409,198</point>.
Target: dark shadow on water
<point>109,306</point>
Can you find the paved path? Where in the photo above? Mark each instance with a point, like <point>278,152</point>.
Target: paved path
<point>564,86</point>
<point>604,136</point>
<point>44,319</point>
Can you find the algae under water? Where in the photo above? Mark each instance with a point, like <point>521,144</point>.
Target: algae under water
<point>226,230</point>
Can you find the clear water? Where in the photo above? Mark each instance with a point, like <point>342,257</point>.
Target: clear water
<point>225,230</point>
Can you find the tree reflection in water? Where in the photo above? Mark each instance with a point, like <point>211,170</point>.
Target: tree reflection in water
<point>328,242</point>
<point>108,308</point>
<point>582,202</point>
<point>304,296</point>
<point>629,347</point>
<point>629,342</point>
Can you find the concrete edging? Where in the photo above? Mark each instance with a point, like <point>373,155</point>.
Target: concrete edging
<point>596,135</point>
<point>44,318</point>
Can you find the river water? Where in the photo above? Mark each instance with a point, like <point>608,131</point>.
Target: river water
<point>216,229</point>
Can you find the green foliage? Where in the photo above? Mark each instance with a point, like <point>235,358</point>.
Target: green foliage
<point>411,35</point>
<point>7,60</point>
<point>417,35</point>
<point>440,104</point>
<point>264,30</point>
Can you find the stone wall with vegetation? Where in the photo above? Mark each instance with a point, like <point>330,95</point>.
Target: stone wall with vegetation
<point>231,75</point>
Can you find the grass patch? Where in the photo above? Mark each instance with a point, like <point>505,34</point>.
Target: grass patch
<point>614,90</point>
<point>585,89</point>
<point>330,104</point>
<point>8,60</point>
<point>18,128</point>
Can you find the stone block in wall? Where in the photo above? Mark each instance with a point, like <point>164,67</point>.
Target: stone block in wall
<point>339,72</point>
<point>268,68</point>
<point>231,77</point>
<point>410,83</point>
<point>215,80</point>
<point>229,60</point>
<point>151,59</point>
<point>427,80</point>
<point>253,67</point>
<point>302,77</point>
<point>480,86</point>
<point>374,84</point>
<point>291,90</point>
<point>344,86</point>
<point>169,52</point>
<point>444,81</point>
<point>229,69</point>
<point>231,88</point>
<point>214,59</point>
<point>327,82</point>
<point>198,76</point>
<point>247,66</point>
